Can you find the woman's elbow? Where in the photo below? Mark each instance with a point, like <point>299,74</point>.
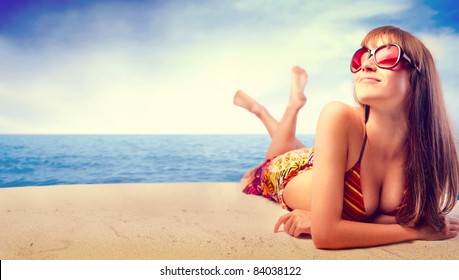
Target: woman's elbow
<point>322,243</point>
<point>318,243</point>
<point>325,239</point>
<point>321,240</point>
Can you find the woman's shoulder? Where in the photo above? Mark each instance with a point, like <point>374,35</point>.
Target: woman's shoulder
<point>342,114</point>
<point>340,131</point>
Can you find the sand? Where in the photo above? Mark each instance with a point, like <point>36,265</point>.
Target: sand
<point>170,221</point>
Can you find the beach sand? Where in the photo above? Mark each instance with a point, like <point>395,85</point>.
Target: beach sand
<point>170,221</point>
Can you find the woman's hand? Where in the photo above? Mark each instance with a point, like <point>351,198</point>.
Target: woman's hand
<point>295,223</point>
<point>450,230</point>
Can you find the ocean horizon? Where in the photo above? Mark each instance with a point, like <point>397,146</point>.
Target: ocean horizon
<point>44,160</point>
<point>28,160</point>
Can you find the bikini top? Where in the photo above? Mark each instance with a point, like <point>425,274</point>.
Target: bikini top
<point>353,204</point>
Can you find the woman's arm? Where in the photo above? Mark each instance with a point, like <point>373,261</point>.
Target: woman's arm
<point>298,222</point>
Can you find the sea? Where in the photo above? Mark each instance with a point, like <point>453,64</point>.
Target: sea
<point>44,160</point>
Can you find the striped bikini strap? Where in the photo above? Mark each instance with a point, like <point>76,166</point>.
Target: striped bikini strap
<point>362,149</point>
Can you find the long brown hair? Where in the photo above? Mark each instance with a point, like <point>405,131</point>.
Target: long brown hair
<point>431,168</point>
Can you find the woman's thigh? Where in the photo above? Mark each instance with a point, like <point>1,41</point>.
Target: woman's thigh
<point>297,192</point>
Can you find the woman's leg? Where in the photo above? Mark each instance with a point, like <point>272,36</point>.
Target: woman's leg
<point>283,138</point>
<point>245,101</point>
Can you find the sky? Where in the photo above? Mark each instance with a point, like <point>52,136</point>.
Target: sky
<point>172,67</point>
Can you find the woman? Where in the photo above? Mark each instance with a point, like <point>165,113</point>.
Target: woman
<point>383,172</point>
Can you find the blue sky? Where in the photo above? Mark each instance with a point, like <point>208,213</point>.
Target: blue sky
<point>173,66</point>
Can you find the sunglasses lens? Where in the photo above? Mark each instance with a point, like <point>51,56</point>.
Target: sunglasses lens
<point>359,57</point>
<point>388,56</point>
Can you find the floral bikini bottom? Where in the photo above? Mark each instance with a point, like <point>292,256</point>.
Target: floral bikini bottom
<point>272,175</point>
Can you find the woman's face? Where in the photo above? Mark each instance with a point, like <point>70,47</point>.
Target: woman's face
<point>382,87</point>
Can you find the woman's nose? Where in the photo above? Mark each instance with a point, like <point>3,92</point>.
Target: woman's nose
<point>369,64</point>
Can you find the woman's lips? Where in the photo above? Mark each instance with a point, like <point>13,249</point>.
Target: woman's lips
<point>369,79</point>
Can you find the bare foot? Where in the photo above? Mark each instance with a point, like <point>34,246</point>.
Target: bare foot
<point>299,80</point>
<point>241,99</point>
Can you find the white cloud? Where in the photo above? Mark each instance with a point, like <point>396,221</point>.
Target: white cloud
<point>137,68</point>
